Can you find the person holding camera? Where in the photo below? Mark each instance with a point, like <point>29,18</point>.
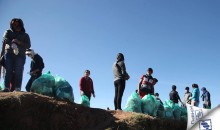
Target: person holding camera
<point>120,77</point>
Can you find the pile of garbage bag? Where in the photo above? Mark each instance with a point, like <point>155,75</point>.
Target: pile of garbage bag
<point>52,86</point>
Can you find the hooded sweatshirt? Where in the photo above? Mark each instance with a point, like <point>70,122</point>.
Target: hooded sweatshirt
<point>23,37</point>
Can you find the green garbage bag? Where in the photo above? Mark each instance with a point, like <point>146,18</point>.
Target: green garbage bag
<point>133,103</point>
<point>63,89</point>
<point>85,101</point>
<point>160,111</point>
<point>177,111</point>
<point>183,113</point>
<point>150,105</point>
<point>168,109</point>
<point>2,86</point>
<point>44,84</point>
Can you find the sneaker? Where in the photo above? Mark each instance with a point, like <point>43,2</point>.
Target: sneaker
<point>5,90</point>
<point>17,90</point>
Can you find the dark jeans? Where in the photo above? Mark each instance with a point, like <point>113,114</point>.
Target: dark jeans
<point>30,81</point>
<point>119,90</point>
<point>14,63</point>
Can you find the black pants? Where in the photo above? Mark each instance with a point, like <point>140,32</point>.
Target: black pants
<point>119,90</point>
<point>30,81</point>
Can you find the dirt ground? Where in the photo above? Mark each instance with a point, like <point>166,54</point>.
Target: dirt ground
<point>31,111</point>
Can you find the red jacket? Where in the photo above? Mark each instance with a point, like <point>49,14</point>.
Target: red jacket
<point>86,85</point>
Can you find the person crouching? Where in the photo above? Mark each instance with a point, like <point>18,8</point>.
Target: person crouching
<point>36,67</point>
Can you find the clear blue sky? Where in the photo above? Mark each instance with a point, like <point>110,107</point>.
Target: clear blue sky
<point>179,39</point>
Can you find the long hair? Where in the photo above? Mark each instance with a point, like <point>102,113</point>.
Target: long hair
<point>20,23</point>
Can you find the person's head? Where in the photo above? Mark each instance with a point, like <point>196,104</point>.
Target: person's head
<point>30,53</point>
<point>87,73</point>
<point>149,71</point>
<point>156,94</point>
<point>195,86</point>
<point>120,57</point>
<point>203,89</point>
<point>174,87</point>
<point>187,89</point>
<point>17,25</point>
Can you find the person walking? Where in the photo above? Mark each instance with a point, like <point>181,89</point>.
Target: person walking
<point>206,98</point>
<point>195,95</point>
<point>187,96</point>
<point>120,77</point>
<point>37,65</point>
<point>146,84</point>
<point>86,85</point>
<point>174,96</point>
<point>15,42</point>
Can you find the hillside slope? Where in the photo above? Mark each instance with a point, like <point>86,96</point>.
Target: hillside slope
<point>30,111</point>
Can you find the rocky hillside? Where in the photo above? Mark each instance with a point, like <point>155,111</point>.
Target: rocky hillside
<point>30,111</point>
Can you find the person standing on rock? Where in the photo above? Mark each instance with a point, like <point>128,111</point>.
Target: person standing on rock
<point>15,42</point>
<point>86,85</point>
<point>37,65</point>
<point>120,77</point>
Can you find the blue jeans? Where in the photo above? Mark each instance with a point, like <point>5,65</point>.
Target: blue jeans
<point>14,65</point>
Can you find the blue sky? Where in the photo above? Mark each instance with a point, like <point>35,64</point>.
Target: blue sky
<point>179,39</point>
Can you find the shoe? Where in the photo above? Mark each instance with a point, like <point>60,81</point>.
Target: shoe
<point>5,90</point>
<point>17,90</point>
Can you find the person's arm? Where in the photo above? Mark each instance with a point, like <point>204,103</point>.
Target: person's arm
<point>178,97</point>
<point>123,71</point>
<point>139,85</point>
<point>93,92</point>
<point>81,86</point>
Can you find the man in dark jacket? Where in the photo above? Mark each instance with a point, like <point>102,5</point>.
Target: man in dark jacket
<point>37,66</point>
<point>174,96</point>
<point>206,97</point>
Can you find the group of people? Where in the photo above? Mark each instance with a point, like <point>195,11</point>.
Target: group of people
<point>16,45</point>
<point>192,98</point>
<point>146,86</point>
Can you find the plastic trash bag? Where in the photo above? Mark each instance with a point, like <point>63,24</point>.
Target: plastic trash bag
<point>2,86</point>
<point>168,109</point>
<point>44,84</point>
<point>160,111</point>
<point>133,103</point>
<point>150,105</point>
<point>63,89</point>
<point>177,112</point>
<point>85,101</point>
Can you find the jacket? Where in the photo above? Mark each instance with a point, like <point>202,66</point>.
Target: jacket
<point>174,96</point>
<point>37,63</point>
<point>119,70</point>
<point>195,94</point>
<point>86,85</point>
